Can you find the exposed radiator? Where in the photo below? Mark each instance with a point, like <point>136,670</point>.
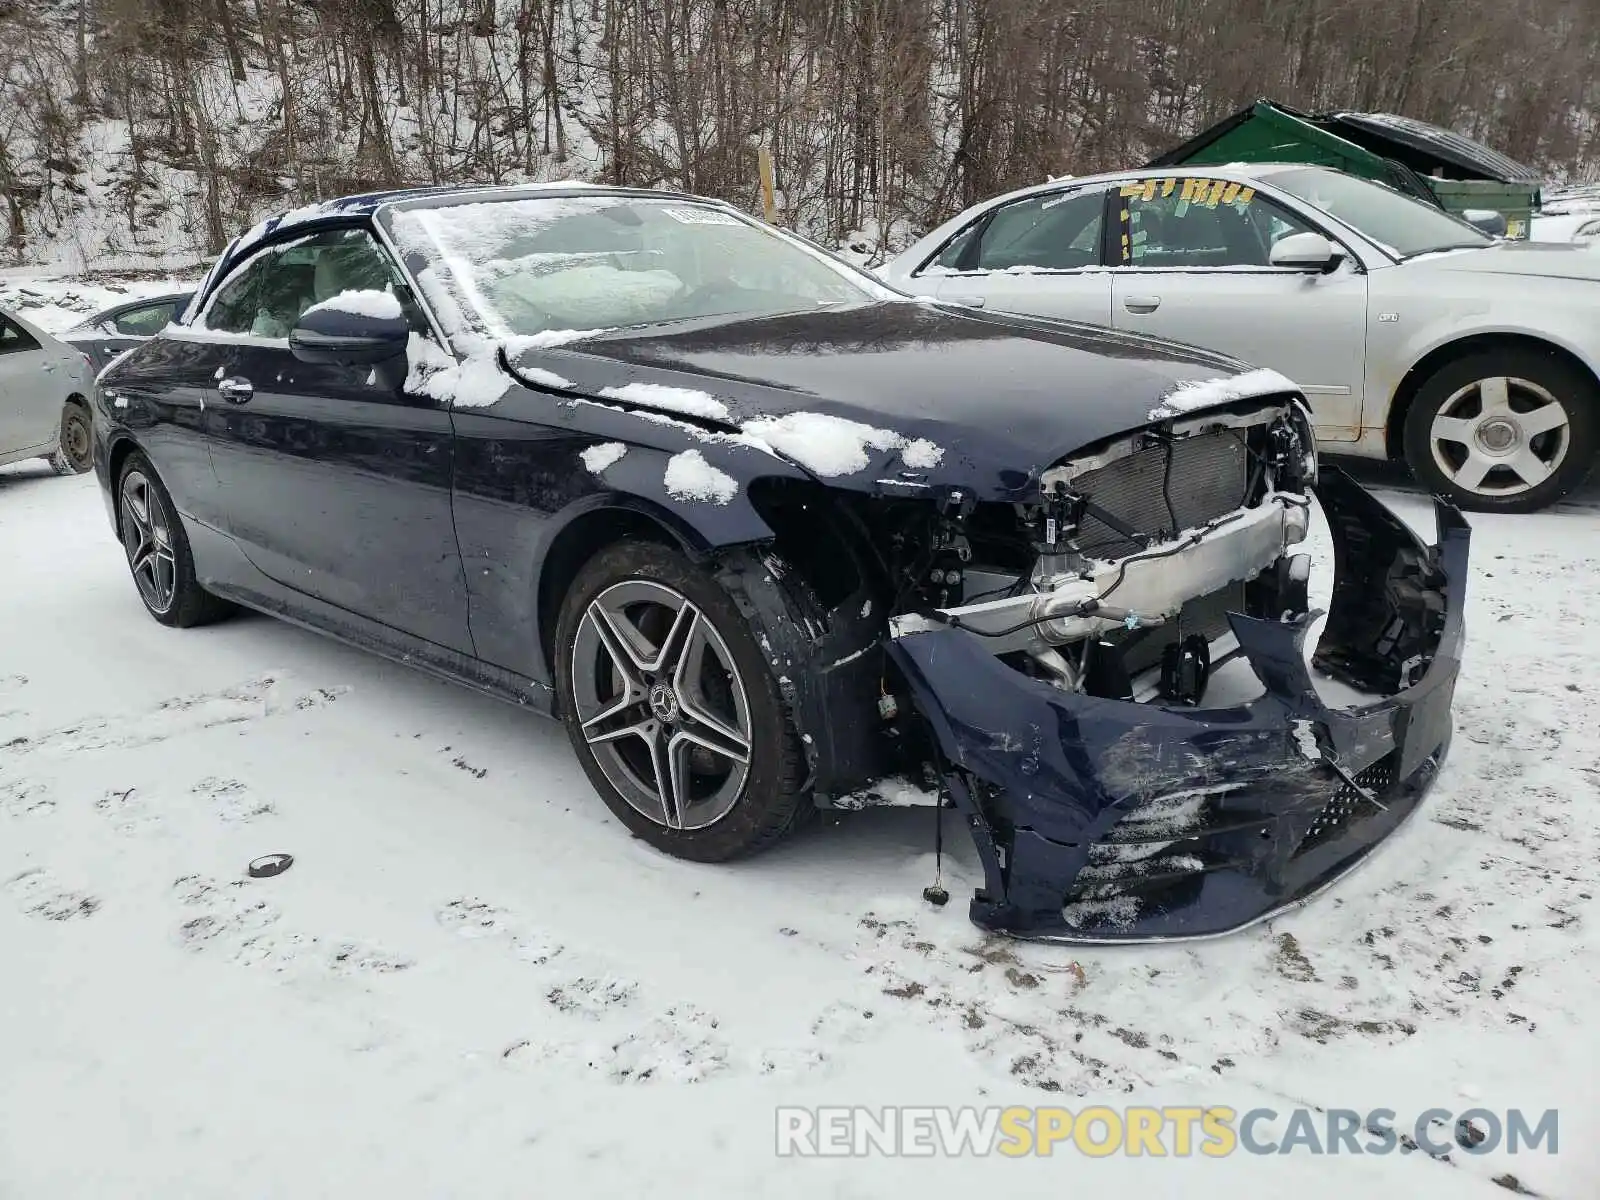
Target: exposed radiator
<point>1210,472</point>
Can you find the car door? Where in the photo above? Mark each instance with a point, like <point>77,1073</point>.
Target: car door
<point>30,400</point>
<point>124,328</point>
<point>1195,268</point>
<point>333,479</point>
<point>1040,255</point>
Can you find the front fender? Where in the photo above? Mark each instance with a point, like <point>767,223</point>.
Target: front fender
<point>531,466</point>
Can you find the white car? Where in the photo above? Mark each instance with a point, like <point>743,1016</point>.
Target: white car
<point>1414,335</point>
<point>45,386</point>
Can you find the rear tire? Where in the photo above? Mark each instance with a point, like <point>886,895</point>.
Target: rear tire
<point>157,549</point>
<point>75,446</point>
<point>1504,430</point>
<point>673,710</point>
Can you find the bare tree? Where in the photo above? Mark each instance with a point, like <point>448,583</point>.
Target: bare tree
<point>882,116</point>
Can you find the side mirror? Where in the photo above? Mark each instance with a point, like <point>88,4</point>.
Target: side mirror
<point>1306,252</point>
<point>329,334</point>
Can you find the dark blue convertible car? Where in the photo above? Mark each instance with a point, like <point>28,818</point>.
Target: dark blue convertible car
<point>764,533</point>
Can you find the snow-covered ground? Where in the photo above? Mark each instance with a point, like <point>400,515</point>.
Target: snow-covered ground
<point>472,978</point>
<point>57,303</point>
<point>472,982</point>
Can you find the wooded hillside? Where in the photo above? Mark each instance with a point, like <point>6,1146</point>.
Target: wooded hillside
<point>135,130</point>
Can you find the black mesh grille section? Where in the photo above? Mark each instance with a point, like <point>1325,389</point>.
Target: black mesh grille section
<point>1209,475</point>
<point>1348,807</point>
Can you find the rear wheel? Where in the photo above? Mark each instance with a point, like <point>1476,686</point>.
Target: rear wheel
<point>672,708</point>
<point>157,550</point>
<point>75,449</point>
<point>1503,431</point>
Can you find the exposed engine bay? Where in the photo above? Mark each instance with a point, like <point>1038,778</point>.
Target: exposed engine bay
<point>1046,663</point>
<point>1136,551</point>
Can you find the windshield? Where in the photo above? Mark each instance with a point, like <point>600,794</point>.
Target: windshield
<point>535,265</point>
<point>1395,222</point>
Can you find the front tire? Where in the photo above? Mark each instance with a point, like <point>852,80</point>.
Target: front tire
<point>672,709</point>
<point>157,550</point>
<point>75,445</point>
<point>1503,431</point>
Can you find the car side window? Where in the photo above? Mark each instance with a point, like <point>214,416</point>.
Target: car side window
<point>273,291</point>
<point>14,339</point>
<point>1185,221</point>
<point>1052,232</point>
<point>144,321</point>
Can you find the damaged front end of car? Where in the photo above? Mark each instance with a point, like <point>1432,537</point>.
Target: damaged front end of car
<point>1069,714</point>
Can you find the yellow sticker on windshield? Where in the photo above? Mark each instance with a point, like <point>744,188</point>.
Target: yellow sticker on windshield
<point>1231,194</point>
<point>1247,195</point>
<point>1132,189</point>
<point>1217,189</point>
<point>1166,187</point>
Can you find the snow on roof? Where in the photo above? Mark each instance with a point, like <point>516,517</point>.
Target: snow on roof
<point>276,222</point>
<point>1207,393</point>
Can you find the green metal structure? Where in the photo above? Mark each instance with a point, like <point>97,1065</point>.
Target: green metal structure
<point>1444,168</point>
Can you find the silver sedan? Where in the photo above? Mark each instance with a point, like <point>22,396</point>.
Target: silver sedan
<point>45,387</point>
<point>1414,335</point>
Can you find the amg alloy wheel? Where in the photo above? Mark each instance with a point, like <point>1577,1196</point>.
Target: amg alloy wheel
<point>671,707</point>
<point>157,549</point>
<point>147,538</point>
<point>661,704</point>
<point>1510,431</point>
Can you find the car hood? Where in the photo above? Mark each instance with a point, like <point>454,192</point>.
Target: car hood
<point>904,392</point>
<point>1552,260</point>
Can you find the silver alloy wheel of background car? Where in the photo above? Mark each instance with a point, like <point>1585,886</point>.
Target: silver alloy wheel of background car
<point>147,538</point>
<point>661,704</point>
<point>1500,436</point>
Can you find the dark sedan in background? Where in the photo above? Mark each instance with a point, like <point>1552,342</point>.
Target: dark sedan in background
<point>762,531</point>
<point>121,328</point>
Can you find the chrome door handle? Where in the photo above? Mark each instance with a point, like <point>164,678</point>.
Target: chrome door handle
<point>1142,304</point>
<point>235,390</point>
<point>968,301</point>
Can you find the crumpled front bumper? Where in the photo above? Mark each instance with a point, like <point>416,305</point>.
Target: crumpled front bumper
<point>1107,820</point>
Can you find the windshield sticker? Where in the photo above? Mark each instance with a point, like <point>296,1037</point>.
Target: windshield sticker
<point>701,216</point>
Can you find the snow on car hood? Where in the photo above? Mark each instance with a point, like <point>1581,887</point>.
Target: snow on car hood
<point>909,393</point>
<point>1552,260</point>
